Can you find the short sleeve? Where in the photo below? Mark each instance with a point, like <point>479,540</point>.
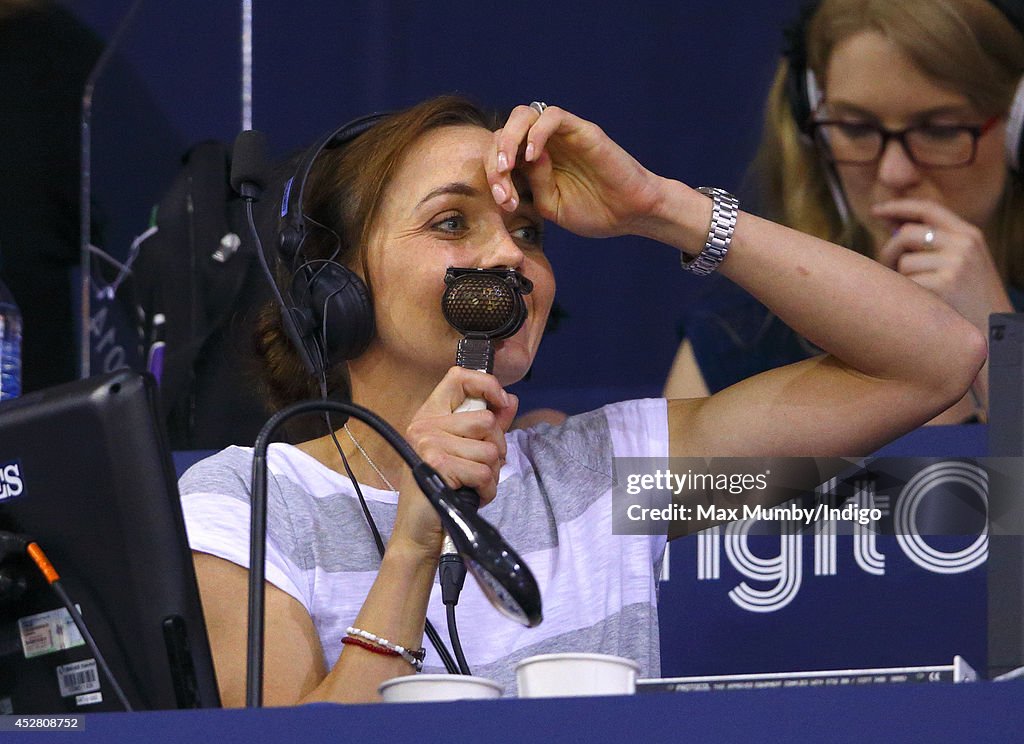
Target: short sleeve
<point>639,428</point>
<point>215,501</point>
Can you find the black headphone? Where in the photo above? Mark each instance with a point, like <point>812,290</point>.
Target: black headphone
<point>327,307</point>
<point>804,94</point>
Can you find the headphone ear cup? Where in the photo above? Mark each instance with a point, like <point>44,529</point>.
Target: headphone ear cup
<point>342,309</point>
<point>1015,131</point>
<point>796,95</point>
<point>803,96</point>
<point>802,93</point>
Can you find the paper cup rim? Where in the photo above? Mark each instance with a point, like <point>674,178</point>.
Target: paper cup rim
<point>580,656</point>
<point>456,678</point>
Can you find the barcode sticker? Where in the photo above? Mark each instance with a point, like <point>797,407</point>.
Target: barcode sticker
<point>48,632</point>
<point>79,677</point>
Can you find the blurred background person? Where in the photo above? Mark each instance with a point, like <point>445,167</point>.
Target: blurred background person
<point>885,131</point>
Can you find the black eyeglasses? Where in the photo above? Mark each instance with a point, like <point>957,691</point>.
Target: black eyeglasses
<point>927,145</point>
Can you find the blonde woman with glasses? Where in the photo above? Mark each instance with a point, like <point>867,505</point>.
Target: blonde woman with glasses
<point>890,128</point>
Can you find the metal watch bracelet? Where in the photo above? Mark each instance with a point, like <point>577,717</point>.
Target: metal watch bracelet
<point>724,210</point>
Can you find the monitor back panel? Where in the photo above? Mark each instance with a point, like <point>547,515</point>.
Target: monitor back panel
<point>87,474</point>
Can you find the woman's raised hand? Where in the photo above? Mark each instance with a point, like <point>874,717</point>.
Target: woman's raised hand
<point>580,179</point>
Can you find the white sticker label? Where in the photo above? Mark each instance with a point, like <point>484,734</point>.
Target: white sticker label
<point>90,699</point>
<point>79,677</point>
<point>48,632</point>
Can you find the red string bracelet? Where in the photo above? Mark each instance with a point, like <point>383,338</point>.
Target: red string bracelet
<point>353,641</point>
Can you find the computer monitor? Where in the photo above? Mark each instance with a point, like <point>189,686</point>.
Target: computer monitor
<point>1006,508</point>
<point>86,472</point>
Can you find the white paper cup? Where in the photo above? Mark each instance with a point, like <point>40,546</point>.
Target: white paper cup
<point>419,688</point>
<point>572,674</point>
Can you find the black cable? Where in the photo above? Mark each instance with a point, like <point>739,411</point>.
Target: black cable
<point>451,572</point>
<point>453,634</point>
<point>377,539</point>
<point>91,643</point>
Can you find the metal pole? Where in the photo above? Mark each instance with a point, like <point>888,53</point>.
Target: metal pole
<point>85,192</point>
<point>246,65</point>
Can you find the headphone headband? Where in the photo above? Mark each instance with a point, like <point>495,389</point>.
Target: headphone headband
<point>292,220</point>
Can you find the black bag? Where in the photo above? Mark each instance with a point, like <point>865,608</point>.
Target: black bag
<point>201,271</point>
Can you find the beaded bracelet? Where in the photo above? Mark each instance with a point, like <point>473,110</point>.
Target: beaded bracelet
<point>413,657</point>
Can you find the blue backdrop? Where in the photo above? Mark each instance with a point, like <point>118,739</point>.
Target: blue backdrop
<point>680,85</point>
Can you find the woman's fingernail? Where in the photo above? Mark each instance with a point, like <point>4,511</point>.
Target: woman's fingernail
<point>499,193</point>
<point>530,149</point>
<point>502,162</point>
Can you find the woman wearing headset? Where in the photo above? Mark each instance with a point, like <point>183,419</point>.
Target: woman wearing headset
<point>900,145</point>
<point>443,185</point>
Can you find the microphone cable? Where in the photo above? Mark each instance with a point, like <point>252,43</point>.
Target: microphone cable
<point>451,572</point>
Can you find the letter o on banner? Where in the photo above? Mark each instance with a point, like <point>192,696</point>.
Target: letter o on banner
<point>910,500</point>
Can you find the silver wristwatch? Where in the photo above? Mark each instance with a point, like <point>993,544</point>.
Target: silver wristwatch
<point>724,209</point>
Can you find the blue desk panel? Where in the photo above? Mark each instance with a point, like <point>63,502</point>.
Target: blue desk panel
<point>970,712</point>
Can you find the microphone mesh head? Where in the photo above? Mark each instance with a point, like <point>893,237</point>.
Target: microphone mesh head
<point>480,304</point>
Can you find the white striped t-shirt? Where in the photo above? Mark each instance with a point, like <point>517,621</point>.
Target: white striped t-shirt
<point>553,507</point>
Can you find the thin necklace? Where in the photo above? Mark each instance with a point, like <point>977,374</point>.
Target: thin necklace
<point>372,464</point>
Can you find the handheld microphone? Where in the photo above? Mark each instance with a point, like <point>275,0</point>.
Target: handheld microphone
<point>485,305</point>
